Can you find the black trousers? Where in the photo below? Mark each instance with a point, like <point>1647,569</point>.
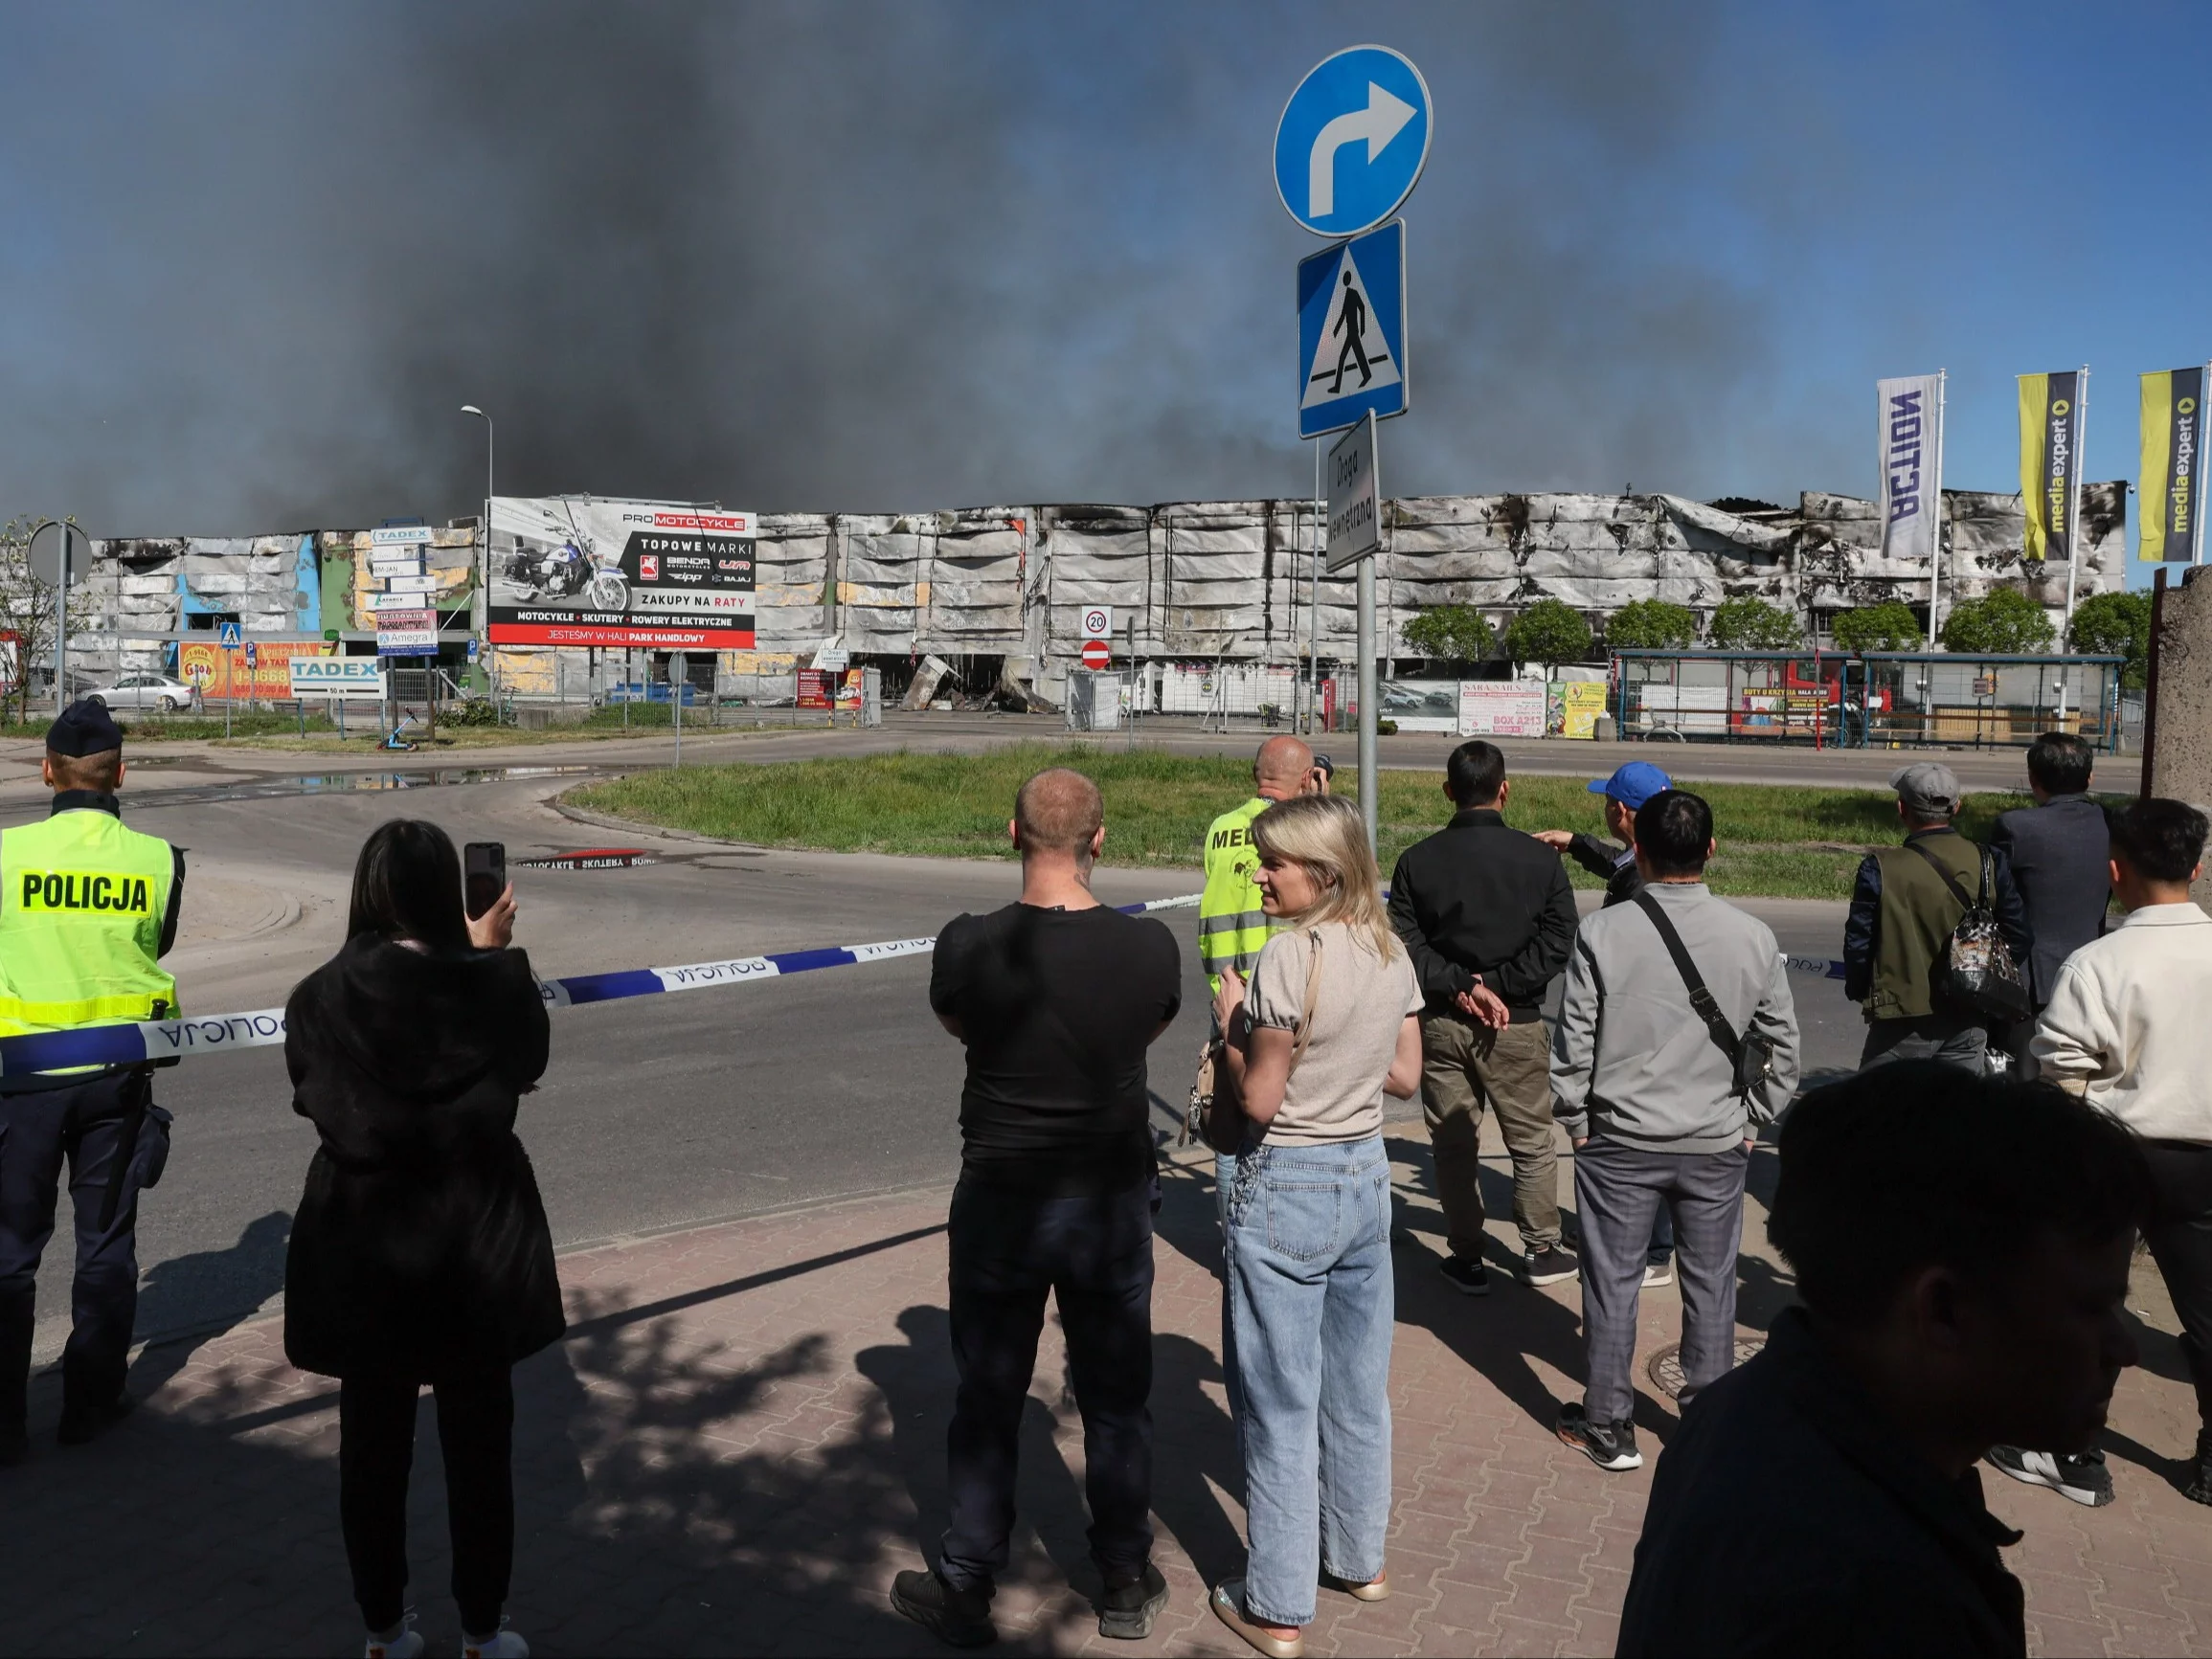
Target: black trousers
<point>1094,1255</point>
<point>376,1451</point>
<point>114,1142</point>
<point>2180,1240</point>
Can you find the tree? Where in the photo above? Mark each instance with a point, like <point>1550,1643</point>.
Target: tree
<point>1652,625</point>
<point>1549,632</point>
<point>1752,624</point>
<point>1890,626</point>
<point>2004,621</point>
<point>1448,634</point>
<point>2116,625</point>
<point>26,612</point>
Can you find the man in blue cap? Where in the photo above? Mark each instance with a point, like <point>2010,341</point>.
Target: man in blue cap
<point>1628,788</point>
<point>87,910</point>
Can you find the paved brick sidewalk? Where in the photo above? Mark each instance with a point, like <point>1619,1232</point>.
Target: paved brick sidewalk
<point>742,1439</point>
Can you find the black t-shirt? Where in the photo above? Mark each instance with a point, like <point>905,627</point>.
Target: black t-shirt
<point>1058,1007</point>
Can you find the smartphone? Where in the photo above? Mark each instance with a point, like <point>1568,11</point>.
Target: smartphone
<point>482,875</point>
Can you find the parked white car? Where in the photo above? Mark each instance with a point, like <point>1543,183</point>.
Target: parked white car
<point>144,691</point>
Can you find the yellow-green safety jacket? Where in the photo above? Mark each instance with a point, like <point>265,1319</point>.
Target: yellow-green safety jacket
<point>1231,926</point>
<point>87,908</point>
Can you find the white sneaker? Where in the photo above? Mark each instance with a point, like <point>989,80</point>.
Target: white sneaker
<point>403,1641</point>
<point>1656,1274</point>
<point>504,1643</point>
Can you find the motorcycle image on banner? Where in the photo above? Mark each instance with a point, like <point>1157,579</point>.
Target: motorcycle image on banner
<point>587,571</point>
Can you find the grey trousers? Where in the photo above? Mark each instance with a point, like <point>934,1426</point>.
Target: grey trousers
<point>1954,1039</point>
<point>1619,1188</point>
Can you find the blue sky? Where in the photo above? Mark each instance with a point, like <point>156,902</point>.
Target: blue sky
<point>882,257</point>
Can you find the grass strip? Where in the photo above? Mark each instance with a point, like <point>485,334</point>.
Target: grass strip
<point>1775,841</point>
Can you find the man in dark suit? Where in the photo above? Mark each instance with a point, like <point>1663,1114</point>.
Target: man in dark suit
<point>2057,849</point>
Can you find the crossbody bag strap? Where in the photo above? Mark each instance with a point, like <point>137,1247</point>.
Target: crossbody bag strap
<point>1949,880</point>
<point>1312,1002</point>
<point>1701,999</point>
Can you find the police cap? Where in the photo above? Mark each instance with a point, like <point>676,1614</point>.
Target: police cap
<point>84,727</point>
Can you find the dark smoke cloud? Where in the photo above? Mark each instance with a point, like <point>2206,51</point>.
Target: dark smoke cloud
<point>852,256</point>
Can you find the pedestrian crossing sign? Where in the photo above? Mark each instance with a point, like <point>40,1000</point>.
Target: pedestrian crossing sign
<point>1352,331</point>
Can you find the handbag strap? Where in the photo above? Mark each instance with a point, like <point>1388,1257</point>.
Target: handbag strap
<point>1312,1002</point>
<point>1701,999</point>
<point>1950,881</point>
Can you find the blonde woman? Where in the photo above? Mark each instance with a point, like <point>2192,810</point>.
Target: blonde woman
<point>1329,1026</point>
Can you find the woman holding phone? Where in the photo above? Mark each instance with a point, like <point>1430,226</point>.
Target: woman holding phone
<point>419,1252</point>
<point>1329,1025</point>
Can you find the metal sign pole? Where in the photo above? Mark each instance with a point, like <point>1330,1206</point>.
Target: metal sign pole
<point>61,628</point>
<point>1935,552</point>
<point>2197,476</point>
<point>1370,801</point>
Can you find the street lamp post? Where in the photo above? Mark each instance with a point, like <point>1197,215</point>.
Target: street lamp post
<point>479,621</point>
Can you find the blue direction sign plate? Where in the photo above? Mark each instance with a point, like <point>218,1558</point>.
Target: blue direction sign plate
<point>1352,141</point>
<point>1352,331</point>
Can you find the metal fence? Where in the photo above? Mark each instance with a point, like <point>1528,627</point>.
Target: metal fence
<point>1878,699</point>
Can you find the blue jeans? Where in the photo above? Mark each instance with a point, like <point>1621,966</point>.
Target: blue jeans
<point>1306,1323</point>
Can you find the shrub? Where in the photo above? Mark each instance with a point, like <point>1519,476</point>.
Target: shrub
<point>1450,634</point>
<point>1652,625</point>
<point>2115,625</point>
<point>1752,624</point>
<point>1549,632</point>
<point>1885,627</point>
<point>2003,620</point>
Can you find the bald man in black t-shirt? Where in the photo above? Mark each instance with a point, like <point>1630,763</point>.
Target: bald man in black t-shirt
<point>1057,999</point>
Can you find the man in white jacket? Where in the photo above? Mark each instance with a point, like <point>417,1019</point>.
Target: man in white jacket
<point>2125,1029</point>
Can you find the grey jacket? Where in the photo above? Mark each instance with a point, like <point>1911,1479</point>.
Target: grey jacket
<point>1631,1062</point>
<point>2057,852</point>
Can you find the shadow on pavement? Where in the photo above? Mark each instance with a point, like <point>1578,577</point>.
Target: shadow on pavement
<point>177,1294</point>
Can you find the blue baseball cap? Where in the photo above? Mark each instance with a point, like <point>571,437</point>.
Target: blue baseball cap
<point>1632,784</point>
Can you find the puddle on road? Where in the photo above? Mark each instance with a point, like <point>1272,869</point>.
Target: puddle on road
<point>269,787</point>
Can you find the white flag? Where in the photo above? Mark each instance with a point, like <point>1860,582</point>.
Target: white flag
<point>1911,485</point>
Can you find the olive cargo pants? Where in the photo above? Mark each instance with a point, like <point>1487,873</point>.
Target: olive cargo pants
<point>1465,1066</point>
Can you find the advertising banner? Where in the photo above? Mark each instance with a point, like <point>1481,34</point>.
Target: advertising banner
<point>407,633</point>
<point>1501,708</point>
<point>1580,703</point>
<point>1421,704</point>
<point>351,677</point>
<point>2050,444</point>
<point>2171,483</point>
<point>586,571</point>
<point>1905,448</point>
<point>220,673</point>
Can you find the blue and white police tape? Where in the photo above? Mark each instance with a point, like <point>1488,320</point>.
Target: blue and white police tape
<point>264,1028</point>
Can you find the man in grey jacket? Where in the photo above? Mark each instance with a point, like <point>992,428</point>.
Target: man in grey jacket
<point>1643,1087</point>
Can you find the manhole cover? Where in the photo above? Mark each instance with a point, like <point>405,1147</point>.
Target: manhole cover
<point>1665,1369</point>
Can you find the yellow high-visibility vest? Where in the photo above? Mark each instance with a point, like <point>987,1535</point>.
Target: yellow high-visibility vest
<point>1231,925</point>
<point>81,904</point>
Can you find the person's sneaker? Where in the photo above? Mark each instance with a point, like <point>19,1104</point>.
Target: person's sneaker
<point>14,1445</point>
<point>1657,1273</point>
<point>2197,1487</point>
<point>1126,1611</point>
<point>81,1424</point>
<point>502,1644</point>
<point>1468,1278</point>
<point>961,1618</point>
<point>1550,1266</point>
<point>403,1641</point>
<point>1608,1444</point>
<point>2085,1479</point>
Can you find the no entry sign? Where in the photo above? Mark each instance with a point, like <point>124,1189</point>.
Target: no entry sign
<point>1095,654</point>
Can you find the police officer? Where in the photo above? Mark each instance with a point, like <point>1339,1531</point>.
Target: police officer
<point>1231,926</point>
<point>87,907</point>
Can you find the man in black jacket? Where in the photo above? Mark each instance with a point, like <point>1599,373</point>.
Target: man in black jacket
<point>2057,850</point>
<point>1487,914</point>
<point>1823,1498</point>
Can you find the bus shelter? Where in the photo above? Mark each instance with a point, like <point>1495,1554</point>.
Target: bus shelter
<point>1879,699</point>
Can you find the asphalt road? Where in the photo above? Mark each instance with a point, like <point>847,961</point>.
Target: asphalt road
<point>657,1112</point>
